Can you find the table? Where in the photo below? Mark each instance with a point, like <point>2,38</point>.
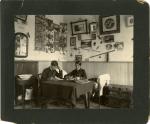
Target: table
<point>67,90</point>
<point>21,85</point>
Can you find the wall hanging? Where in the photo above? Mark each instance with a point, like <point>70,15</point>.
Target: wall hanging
<point>93,36</point>
<point>42,32</point>
<point>109,46</point>
<point>119,45</point>
<point>108,39</point>
<point>79,27</point>
<point>129,21</point>
<point>21,45</point>
<point>86,43</point>
<point>72,41</point>
<point>92,27</point>
<point>78,57</point>
<point>109,24</point>
<point>79,36</point>
<point>63,27</point>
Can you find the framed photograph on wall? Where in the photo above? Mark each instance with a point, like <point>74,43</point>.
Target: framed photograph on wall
<point>78,58</point>
<point>72,41</point>
<point>109,46</point>
<point>93,36</point>
<point>109,24</point>
<point>21,45</point>
<point>130,21</point>
<point>108,39</point>
<point>79,36</point>
<point>86,43</point>
<point>92,27</point>
<point>79,27</point>
<point>119,45</point>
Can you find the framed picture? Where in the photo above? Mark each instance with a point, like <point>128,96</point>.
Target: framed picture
<point>56,27</point>
<point>79,27</point>
<point>78,57</point>
<point>72,41</point>
<point>21,45</point>
<point>119,45</point>
<point>108,39</point>
<point>93,36</point>
<point>86,43</point>
<point>109,24</point>
<point>92,27</point>
<point>109,46</point>
<point>63,27</point>
<point>130,21</point>
<point>22,17</point>
<point>79,36</point>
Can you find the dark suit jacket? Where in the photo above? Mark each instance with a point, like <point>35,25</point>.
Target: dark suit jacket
<point>78,73</point>
<point>47,74</point>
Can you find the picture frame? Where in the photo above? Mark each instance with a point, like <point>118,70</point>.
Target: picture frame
<point>109,24</point>
<point>108,39</point>
<point>119,45</point>
<point>72,41</point>
<point>93,36</point>
<point>78,58</point>
<point>79,36</point>
<point>79,27</point>
<point>109,46</point>
<point>63,27</point>
<point>21,45</point>
<point>56,27</point>
<point>92,27</point>
<point>21,17</point>
<point>129,21</point>
<point>86,43</point>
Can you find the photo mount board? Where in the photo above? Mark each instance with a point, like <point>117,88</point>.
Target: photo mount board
<point>139,114</point>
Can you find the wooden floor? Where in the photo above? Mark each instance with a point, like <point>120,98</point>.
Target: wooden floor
<point>61,105</point>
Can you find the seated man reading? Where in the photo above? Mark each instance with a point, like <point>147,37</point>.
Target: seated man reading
<point>51,72</point>
<point>78,73</point>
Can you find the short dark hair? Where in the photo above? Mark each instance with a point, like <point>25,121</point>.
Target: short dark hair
<point>54,63</point>
<point>78,62</point>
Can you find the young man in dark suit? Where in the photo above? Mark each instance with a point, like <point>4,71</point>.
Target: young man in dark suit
<point>78,73</point>
<point>51,72</point>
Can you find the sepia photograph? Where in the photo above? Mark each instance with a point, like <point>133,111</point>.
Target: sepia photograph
<point>56,69</point>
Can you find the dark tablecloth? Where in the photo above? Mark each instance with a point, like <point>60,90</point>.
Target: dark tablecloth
<point>65,89</point>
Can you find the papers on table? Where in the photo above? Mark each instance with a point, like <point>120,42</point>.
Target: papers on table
<point>81,81</point>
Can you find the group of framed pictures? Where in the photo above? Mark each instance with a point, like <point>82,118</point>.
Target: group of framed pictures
<point>80,27</point>
<point>107,25</point>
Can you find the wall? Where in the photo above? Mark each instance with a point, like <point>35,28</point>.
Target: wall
<point>125,35</point>
<point>85,53</point>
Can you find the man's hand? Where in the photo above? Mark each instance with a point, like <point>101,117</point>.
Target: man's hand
<point>59,67</point>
